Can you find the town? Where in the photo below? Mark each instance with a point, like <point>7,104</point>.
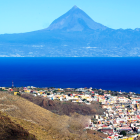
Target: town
<point>120,119</point>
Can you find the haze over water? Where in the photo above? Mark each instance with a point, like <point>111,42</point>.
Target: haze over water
<point>106,73</point>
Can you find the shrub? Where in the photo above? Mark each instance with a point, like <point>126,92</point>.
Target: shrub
<point>123,133</point>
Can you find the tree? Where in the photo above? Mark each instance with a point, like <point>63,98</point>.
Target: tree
<point>84,100</point>
<point>129,97</point>
<point>123,133</point>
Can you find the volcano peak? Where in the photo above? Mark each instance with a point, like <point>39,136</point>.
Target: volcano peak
<point>74,7</point>
<point>75,20</point>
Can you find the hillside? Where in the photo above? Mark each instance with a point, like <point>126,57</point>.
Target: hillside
<point>11,131</point>
<point>138,138</point>
<point>65,108</point>
<point>42,123</point>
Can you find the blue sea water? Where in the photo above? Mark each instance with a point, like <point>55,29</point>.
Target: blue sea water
<point>106,73</point>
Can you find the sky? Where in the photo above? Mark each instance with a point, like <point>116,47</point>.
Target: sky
<point>19,16</point>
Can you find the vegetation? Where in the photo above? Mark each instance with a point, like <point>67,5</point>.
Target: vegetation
<point>123,133</point>
<point>65,107</point>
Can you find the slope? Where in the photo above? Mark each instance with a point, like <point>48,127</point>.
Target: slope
<point>43,123</point>
<point>65,108</point>
<point>11,131</point>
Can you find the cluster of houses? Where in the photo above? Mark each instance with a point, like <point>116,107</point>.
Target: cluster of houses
<point>68,94</point>
<point>121,119</point>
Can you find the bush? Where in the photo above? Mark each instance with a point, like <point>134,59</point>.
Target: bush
<point>123,133</point>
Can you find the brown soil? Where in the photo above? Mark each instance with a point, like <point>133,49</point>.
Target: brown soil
<point>65,108</point>
<point>11,131</point>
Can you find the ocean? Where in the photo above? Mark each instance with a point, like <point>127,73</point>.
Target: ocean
<point>109,73</point>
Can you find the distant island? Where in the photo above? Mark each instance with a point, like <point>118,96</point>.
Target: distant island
<point>73,34</point>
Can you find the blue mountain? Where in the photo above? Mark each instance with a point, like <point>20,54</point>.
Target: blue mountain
<point>75,20</point>
<point>73,34</point>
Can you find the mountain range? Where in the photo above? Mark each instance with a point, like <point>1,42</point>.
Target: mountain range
<point>73,34</point>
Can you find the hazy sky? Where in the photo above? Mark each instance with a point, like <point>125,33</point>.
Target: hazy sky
<point>28,15</point>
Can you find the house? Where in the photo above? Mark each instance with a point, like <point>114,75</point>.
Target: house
<point>124,129</point>
<point>15,93</point>
<point>10,89</point>
<point>107,130</point>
